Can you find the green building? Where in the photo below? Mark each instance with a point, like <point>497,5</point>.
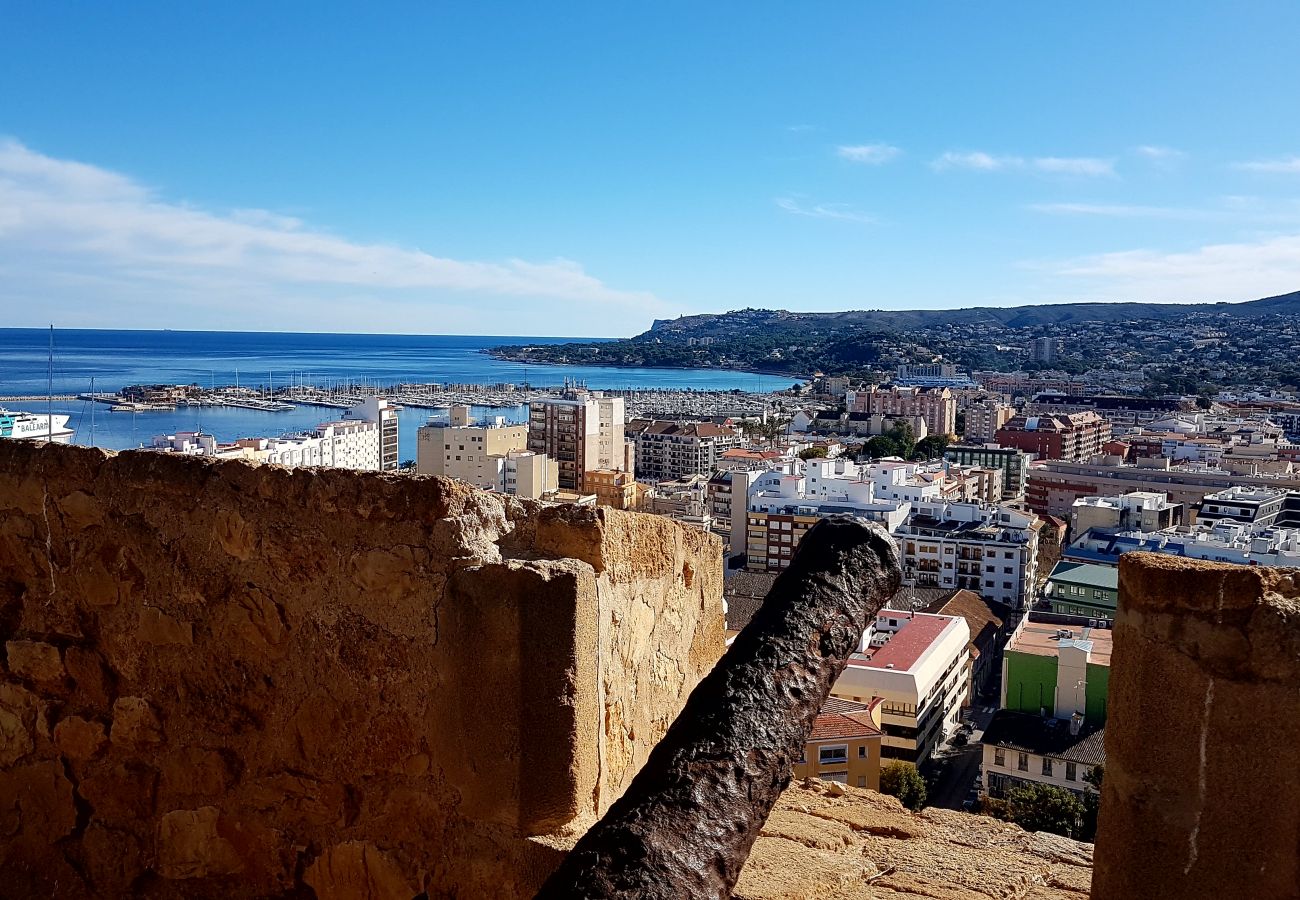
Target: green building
<point>1083,589</point>
<point>1057,671</point>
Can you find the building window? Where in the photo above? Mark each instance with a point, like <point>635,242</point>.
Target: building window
<point>1070,772</point>
<point>1047,766</point>
<point>862,751</point>
<point>862,781</point>
<point>831,756</point>
<point>1022,762</point>
<point>999,757</point>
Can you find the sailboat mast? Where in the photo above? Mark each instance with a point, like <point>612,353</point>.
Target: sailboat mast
<point>93,401</point>
<point>49,390</point>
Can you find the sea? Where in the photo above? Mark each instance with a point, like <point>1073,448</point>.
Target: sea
<point>116,358</point>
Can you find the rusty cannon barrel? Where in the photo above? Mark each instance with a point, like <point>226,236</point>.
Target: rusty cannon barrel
<point>688,820</point>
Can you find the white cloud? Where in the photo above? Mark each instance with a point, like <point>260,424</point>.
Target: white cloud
<point>1120,211</point>
<point>1157,153</point>
<point>978,161</point>
<point>1287,166</point>
<point>840,211</point>
<point>60,218</point>
<point>868,154</point>
<point>1075,165</point>
<point>1214,272</point>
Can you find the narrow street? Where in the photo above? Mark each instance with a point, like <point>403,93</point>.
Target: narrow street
<point>963,763</point>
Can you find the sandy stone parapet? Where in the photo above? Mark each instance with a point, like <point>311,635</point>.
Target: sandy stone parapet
<point>228,680</point>
<point>1200,797</point>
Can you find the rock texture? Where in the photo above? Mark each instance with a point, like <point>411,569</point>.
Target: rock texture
<point>1200,797</point>
<point>229,680</point>
<point>826,841</point>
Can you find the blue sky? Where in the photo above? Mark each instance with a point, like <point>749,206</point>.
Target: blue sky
<point>534,169</point>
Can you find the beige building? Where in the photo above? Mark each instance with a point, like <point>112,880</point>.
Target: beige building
<point>583,432</point>
<point>936,405</point>
<point>984,419</point>
<point>493,456</point>
<point>615,488</point>
<point>844,744</point>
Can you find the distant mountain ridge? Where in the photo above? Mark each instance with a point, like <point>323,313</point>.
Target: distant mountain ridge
<point>738,321</point>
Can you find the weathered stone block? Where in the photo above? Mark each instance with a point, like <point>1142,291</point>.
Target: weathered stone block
<point>135,722</point>
<point>78,738</point>
<point>34,659</point>
<point>190,845</point>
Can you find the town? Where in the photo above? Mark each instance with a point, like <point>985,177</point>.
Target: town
<point>1011,496</point>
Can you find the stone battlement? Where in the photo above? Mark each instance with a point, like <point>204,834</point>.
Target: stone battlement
<point>231,680</point>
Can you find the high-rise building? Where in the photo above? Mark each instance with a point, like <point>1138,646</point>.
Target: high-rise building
<point>582,431</point>
<point>984,419</point>
<point>1043,349</point>
<point>1013,463</point>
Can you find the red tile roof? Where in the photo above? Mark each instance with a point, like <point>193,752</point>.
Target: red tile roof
<point>907,644</point>
<point>844,719</point>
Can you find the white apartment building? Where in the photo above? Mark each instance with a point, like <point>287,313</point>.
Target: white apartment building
<point>365,439</point>
<point>783,504</point>
<point>919,665</point>
<point>582,432</point>
<point>991,550</point>
<point>1023,749</point>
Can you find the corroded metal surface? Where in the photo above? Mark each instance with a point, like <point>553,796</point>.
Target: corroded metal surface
<point>686,824</point>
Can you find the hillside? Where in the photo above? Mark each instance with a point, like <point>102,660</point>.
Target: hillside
<point>740,321</point>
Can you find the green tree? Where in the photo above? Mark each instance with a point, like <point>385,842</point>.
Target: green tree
<point>901,780</point>
<point>1042,807</point>
<point>813,453</point>
<point>879,446</point>
<point>901,432</point>
<point>931,447</point>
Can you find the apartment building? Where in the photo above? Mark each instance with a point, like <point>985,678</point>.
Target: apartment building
<point>1225,541</point>
<point>983,420</point>
<point>583,431</point>
<point>932,375</point>
<point>1072,436</point>
<point>458,449</point>
<point>1259,507</point>
<point>1134,511</point>
<point>844,744</point>
<point>918,665</point>
<point>1118,410</point>
<point>1044,349</point>
<point>782,504</point>
<point>1081,589</point>
<point>528,474</point>
<point>615,488</point>
<point>991,550</point>
<point>669,450</point>
<point>1013,463</point>
<point>937,406</point>
<point>365,438</point>
<point>1054,485</point>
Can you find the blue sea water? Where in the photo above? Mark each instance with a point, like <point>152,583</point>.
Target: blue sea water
<point>118,358</point>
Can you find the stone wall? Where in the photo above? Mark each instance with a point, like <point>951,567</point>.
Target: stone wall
<point>1200,797</point>
<point>231,680</point>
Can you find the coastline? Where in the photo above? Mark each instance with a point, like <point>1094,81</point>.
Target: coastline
<point>528,361</point>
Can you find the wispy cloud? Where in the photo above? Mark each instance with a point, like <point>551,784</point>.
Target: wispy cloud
<point>1156,153</point>
<point>1286,166</point>
<point>1075,165</point>
<point>979,161</point>
<point>1213,272</point>
<point>976,161</point>
<point>1121,211</point>
<point>868,154</point>
<point>841,211</point>
<point>59,217</point>
<point>1240,210</point>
